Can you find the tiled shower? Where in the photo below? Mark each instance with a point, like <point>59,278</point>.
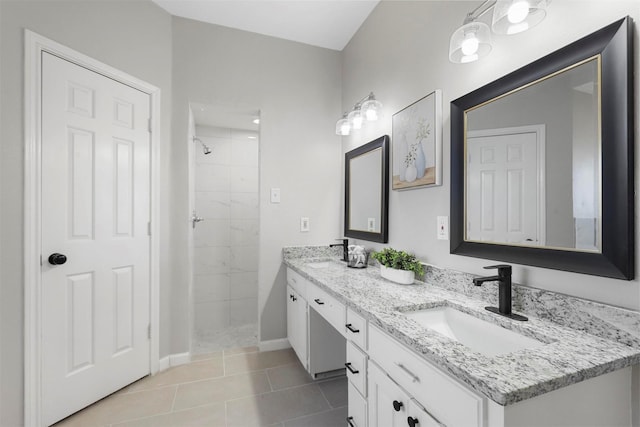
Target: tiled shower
<point>225,282</point>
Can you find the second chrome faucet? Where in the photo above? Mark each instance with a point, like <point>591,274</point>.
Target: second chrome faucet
<point>504,291</point>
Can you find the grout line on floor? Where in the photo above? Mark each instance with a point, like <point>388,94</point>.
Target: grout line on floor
<point>315,413</point>
<point>175,394</point>
<point>269,380</point>
<point>325,397</point>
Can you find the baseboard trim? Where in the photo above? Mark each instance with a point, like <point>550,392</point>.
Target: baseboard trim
<point>174,360</point>
<point>272,345</point>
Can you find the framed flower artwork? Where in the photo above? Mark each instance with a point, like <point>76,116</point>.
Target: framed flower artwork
<point>417,144</point>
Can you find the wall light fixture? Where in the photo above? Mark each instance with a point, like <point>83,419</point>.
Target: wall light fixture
<point>472,40</point>
<point>367,109</point>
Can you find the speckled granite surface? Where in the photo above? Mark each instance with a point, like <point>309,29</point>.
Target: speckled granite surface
<point>569,356</point>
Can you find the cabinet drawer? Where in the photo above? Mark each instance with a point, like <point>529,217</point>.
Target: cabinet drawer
<point>357,409</point>
<point>297,282</point>
<point>356,329</point>
<point>327,306</point>
<point>447,400</point>
<point>357,368</point>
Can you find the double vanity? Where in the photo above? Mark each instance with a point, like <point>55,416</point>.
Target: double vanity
<point>425,355</point>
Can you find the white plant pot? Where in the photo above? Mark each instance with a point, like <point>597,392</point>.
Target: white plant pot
<point>402,277</point>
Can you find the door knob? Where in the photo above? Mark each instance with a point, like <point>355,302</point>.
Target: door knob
<point>412,421</point>
<point>397,405</point>
<point>57,259</point>
<point>195,219</point>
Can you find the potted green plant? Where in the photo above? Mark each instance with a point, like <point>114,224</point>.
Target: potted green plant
<point>398,266</point>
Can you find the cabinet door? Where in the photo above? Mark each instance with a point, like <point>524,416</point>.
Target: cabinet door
<point>417,416</point>
<point>297,324</point>
<point>388,403</point>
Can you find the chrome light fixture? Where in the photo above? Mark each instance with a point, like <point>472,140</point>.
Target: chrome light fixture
<point>368,108</point>
<point>472,40</point>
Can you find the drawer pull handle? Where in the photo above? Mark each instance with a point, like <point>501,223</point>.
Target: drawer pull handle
<point>350,421</point>
<point>350,327</point>
<point>412,421</point>
<point>416,379</point>
<point>353,371</point>
<point>317,300</point>
<point>397,405</point>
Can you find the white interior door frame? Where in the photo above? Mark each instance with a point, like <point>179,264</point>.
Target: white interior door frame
<point>34,46</point>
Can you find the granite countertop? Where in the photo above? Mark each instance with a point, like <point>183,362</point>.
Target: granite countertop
<point>569,356</point>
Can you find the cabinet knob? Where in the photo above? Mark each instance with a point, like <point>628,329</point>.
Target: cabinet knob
<point>397,405</point>
<point>350,421</point>
<point>412,421</point>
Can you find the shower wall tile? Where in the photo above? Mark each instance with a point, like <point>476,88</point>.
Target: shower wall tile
<point>212,260</point>
<point>244,232</point>
<point>245,205</point>
<point>212,177</point>
<point>243,285</point>
<point>244,152</point>
<point>243,179</point>
<point>243,311</point>
<point>211,287</point>
<point>213,204</point>
<point>212,232</point>
<point>210,317</point>
<point>243,259</point>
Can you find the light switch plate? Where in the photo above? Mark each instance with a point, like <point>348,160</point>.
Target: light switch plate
<point>443,228</point>
<point>371,224</point>
<point>275,195</point>
<point>304,224</point>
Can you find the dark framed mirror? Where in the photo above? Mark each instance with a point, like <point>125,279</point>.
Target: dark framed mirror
<point>366,189</point>
<point>542,161</point>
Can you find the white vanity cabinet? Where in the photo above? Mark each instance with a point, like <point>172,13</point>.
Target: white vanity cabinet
<point>313,317</point>
<point>297,324</point>
<point>391,406</point>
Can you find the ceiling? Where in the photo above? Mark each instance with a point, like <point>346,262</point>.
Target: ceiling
<point>324,23</point>
<point>225,116</point>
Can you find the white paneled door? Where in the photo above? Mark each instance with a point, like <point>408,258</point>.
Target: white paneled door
<point>505,186</point>
<point>95,213</point>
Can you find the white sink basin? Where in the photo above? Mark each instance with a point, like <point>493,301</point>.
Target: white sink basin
<point>479,335</point>
<point>323,264</point>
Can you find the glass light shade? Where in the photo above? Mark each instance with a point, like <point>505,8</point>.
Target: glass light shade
<point>371,108</point>
<point>342,126</point>
<point>470,42</point>
<point>355,117</point>
<point>515,16</point>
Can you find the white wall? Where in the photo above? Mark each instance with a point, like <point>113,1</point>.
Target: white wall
<point>401,53</point>
<point>297,88</point>
<point>132,36</point>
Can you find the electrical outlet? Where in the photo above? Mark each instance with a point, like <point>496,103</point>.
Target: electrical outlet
<point>443,228</point>
<point>275,195</point>
<point>371,224</point>
<point>304,224</point>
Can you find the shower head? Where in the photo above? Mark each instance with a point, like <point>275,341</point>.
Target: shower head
<point>205,147</point>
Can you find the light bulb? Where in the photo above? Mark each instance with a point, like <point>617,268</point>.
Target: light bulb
<point>470,44</point>
<point>345,128</point>
<point>518,11</point>
<point>357,122</point>
<point>372,115</point>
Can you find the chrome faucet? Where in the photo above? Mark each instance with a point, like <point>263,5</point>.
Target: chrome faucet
<point>504,291</point>
<point>345,248</point>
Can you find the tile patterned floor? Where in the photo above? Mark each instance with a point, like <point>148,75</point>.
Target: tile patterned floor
<point>231,388</point>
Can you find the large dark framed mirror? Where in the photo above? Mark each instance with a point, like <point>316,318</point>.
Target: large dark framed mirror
<point>366,188</point>
<point>542,161</point>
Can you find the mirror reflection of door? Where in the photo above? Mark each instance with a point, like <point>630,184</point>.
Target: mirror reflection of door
<point>505,186</point>
<point>366,192</point>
